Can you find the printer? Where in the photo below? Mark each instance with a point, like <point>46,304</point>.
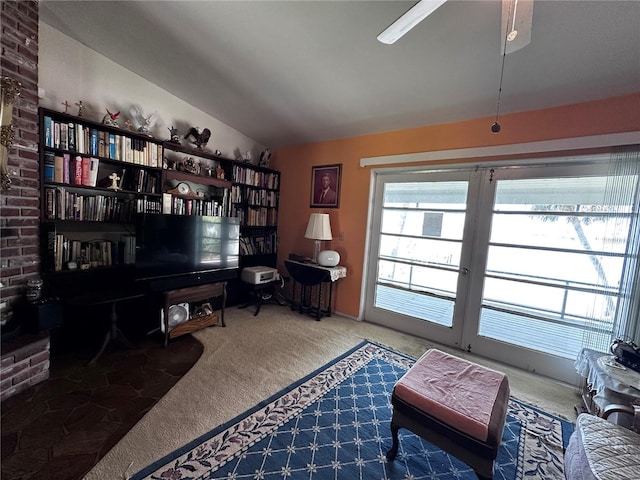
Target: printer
<point>259,274</point>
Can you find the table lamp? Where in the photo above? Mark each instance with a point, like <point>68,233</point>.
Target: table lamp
<point>319,229</point>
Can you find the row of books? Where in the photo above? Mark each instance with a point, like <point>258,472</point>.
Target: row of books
<point>256,178</point>
<point>76,170</point>
<point>192,206</point>
<point>62,204</point>
<point>260,217</point>
<point>259,244</point>
<point>93,254</point>
<point>254,196</point>
<point>85,140</point>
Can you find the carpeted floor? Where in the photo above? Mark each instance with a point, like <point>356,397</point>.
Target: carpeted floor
<point>253,358</point>
<point>335,424</point>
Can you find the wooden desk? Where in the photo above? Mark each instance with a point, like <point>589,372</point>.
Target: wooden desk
<point>312,277</point>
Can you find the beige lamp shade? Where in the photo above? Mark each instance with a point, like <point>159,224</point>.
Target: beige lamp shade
<point>318,227</point>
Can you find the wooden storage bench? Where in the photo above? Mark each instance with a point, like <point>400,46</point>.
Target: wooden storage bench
<point>216,291</point>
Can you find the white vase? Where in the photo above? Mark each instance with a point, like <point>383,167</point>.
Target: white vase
<point>328,258</point>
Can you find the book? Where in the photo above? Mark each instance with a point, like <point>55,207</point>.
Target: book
<point>86,171</point>
<point>49,167</point>
<point>56,134</point>
<point>112,146</point>
<point>50,195</point>
<point>77,170</point>
<point>93,171</point>
<point>58,169</point>
<point>93,142</point>
<point>71,136</point>
<point>64,135</point>
<point>48,131</point>
<point>80,138</point>
<point>66,167</point>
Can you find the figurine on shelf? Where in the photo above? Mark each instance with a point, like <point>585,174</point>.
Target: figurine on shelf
<point>219,172</point>
<point>265,158</point>
<point>80,108</point>
<point>111,119</point>
<point>143,123</point>
<point>190,165</point>
<point>114,182</point>
<point>200,139</point>
<point>175,138</point>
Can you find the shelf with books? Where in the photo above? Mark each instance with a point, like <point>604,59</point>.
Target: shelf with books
<point>95,178</point>
<point>77,246</point>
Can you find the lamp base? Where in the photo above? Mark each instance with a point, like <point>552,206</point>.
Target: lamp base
<point>328,258</point>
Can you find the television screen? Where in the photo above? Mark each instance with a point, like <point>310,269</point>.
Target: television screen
<point>169,245</point>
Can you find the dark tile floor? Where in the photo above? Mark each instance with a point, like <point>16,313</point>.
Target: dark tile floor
<point>60,428</point>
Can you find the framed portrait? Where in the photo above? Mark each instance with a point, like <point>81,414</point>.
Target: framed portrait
<point>325,186</point>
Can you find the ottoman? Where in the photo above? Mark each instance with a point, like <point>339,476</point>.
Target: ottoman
<point>457,405</point>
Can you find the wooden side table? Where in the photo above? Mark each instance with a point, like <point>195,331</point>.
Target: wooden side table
<point>310,276</point>
<point>198,293</point>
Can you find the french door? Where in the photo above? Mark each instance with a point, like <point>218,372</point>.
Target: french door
<point>516,264</point>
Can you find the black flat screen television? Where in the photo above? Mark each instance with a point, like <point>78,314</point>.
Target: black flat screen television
<point>177,245</point>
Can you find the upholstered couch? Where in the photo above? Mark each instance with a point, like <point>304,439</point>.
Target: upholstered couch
<point>601,450</point>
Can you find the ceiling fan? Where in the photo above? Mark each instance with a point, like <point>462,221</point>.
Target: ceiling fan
<point>517,16</point>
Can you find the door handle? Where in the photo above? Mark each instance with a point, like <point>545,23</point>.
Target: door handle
<point>464,271</point>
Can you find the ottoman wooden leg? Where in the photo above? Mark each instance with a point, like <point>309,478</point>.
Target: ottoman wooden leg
<point>393,451</point>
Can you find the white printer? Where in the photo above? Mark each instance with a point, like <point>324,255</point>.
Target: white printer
<point>259,274</point>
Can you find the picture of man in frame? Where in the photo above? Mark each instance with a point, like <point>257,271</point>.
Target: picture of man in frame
<point>326,186</point>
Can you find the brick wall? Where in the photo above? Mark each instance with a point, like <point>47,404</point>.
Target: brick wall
<point>24,363</point>
<point>19,206</point>
<point>25,359</point>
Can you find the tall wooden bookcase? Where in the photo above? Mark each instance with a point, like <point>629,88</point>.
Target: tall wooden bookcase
<point>88,226</point>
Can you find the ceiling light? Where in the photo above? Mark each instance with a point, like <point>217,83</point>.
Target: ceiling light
<point>410,19</point>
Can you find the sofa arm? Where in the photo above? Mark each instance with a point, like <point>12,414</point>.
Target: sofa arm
<point>633,410</point>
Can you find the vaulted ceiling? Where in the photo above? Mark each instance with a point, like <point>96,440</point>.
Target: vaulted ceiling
<point>290,72</point>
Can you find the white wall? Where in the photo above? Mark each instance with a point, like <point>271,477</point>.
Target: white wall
<point>69,71</point>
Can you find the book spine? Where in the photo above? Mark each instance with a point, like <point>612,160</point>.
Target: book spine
<point>58,172</point>
<point>48,131</point>
<point>112,146</point>
<point>86,171</point>
<point>49,167</point>
<point>94,163</point>
<point>71,136</point>
<point>77,170</point>
<point>93,147</point>
<point>64,136</point>
<point>66,167</point>
<point>56,134</point>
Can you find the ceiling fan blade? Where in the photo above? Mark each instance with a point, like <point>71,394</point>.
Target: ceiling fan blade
<point>410,19</point>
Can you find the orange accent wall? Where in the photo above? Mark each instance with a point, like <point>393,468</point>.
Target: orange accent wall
<point>608,116</point>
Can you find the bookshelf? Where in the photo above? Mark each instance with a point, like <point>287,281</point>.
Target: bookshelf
<point>94,179</point>
<point>254,199</point>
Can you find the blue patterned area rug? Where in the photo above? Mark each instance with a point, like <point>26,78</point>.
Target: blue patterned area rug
<point>334,424</point>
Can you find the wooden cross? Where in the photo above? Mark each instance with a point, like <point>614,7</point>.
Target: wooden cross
<point>66,106</point>
<point>114,181</point>
<point>128,124</point>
